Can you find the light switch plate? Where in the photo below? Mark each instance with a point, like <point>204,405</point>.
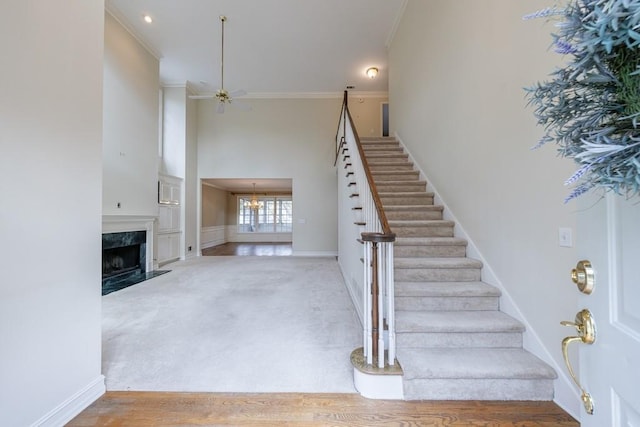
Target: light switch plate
<point>565,238</point>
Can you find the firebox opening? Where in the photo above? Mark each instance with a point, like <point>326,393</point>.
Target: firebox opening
<point>121,260</point>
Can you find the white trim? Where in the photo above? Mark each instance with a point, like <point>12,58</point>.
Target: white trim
<point>124,223</point>
<point>378,386</point>
<point>75,404</point>
<point>313,95</point>
<point>122,20</point>
<point>565,395</point>
<point>212,236</point>
<point>322,254</point>
<point>288,95</point>
<point>232,235</point>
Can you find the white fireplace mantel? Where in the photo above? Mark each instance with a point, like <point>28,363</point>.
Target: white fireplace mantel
<point>123,223</point>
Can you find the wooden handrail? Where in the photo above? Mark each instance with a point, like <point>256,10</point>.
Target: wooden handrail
<point>344,127</point>
<point>386,229</point>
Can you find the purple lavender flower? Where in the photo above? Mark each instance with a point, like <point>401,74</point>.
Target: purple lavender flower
<point>541,142</point>
<point>564,48</point>
<point>543,13</point>
<point>578,174</point>
<point>578,191</point>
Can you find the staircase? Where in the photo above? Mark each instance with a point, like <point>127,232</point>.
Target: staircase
<point>452,340</point>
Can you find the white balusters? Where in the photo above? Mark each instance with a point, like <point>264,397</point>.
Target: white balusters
<point>383,244</point>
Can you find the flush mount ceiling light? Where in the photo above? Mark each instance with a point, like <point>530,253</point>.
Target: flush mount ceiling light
<point>148,19</point>
<point>372,72</point>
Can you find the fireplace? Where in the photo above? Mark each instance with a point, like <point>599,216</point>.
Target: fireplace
<point>127,251</point>
<point>123,256</point>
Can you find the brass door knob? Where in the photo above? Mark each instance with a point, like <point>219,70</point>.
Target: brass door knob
<point>583,276</point>
<point>586,328</point>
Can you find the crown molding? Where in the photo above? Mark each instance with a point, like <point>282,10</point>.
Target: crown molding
<point>313,95</point>
<point>188,86</point>
<point>122,20</point>
<point>193,90</point>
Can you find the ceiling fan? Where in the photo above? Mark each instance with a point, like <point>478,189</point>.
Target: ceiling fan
<point>222,95</point>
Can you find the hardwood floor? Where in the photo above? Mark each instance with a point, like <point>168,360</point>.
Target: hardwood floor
<point>299,409</point>
<point>250,249</point>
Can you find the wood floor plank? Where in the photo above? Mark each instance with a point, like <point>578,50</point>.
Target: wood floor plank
<point>250,249</point>
<point>116,409</point>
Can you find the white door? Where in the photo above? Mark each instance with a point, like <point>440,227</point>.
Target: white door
<point>608,235</point>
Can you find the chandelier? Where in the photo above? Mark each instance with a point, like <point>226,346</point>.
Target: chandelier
<point>254,203</point>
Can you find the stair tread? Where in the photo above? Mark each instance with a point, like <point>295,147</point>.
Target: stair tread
<point>405,193</point>
<point>473,363</point>
<point>430,241</point>
<point>445,289</point>
<point>403,182</point>
<point>420,222</point>
<point>413,208</point>
<point>453,262</point>
<point>455,322</point>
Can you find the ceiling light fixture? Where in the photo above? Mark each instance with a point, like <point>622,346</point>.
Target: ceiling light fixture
<point>254,204</point>
<point>372,72</point>
<point>148,19</point>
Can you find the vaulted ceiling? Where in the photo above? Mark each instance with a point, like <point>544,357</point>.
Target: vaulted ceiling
<point>272,47</point>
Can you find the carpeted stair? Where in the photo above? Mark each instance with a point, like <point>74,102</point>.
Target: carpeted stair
<point>453,341</point>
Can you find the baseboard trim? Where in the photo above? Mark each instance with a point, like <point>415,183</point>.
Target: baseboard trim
<point>315,253</point>
<point>75,404</point>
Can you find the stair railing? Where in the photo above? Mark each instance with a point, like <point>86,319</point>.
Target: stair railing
<point>378,239</point>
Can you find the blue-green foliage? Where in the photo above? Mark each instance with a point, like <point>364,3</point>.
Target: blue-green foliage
<point>591,107</point>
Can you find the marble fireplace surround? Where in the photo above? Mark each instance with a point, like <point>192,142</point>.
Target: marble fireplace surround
<point>126,223</point>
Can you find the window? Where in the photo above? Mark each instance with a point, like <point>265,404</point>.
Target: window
<point>274,215</point>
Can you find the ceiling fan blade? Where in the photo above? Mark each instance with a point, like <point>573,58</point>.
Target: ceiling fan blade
<point>201,96</point>
<point>220,108</point>
<point>236,93</point>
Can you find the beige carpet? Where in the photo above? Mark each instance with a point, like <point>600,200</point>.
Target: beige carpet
<point>233,324</point>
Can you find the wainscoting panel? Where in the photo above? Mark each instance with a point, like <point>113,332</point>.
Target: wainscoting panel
<point>212,236</point>
<point>234,236</point>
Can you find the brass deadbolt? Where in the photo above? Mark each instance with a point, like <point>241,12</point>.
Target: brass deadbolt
<point>584,277</point>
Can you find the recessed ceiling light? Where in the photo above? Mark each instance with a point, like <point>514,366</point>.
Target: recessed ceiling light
<point>148,19</point>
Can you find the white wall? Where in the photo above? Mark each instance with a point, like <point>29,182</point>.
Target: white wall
<point>214,206</point>
<point>366,112</point>
<point>191,181</point>
<point>50,221</point>
<point>279,138</point>
<point>131,124</point>
<point>458,69</point>
<point>179,157</point>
